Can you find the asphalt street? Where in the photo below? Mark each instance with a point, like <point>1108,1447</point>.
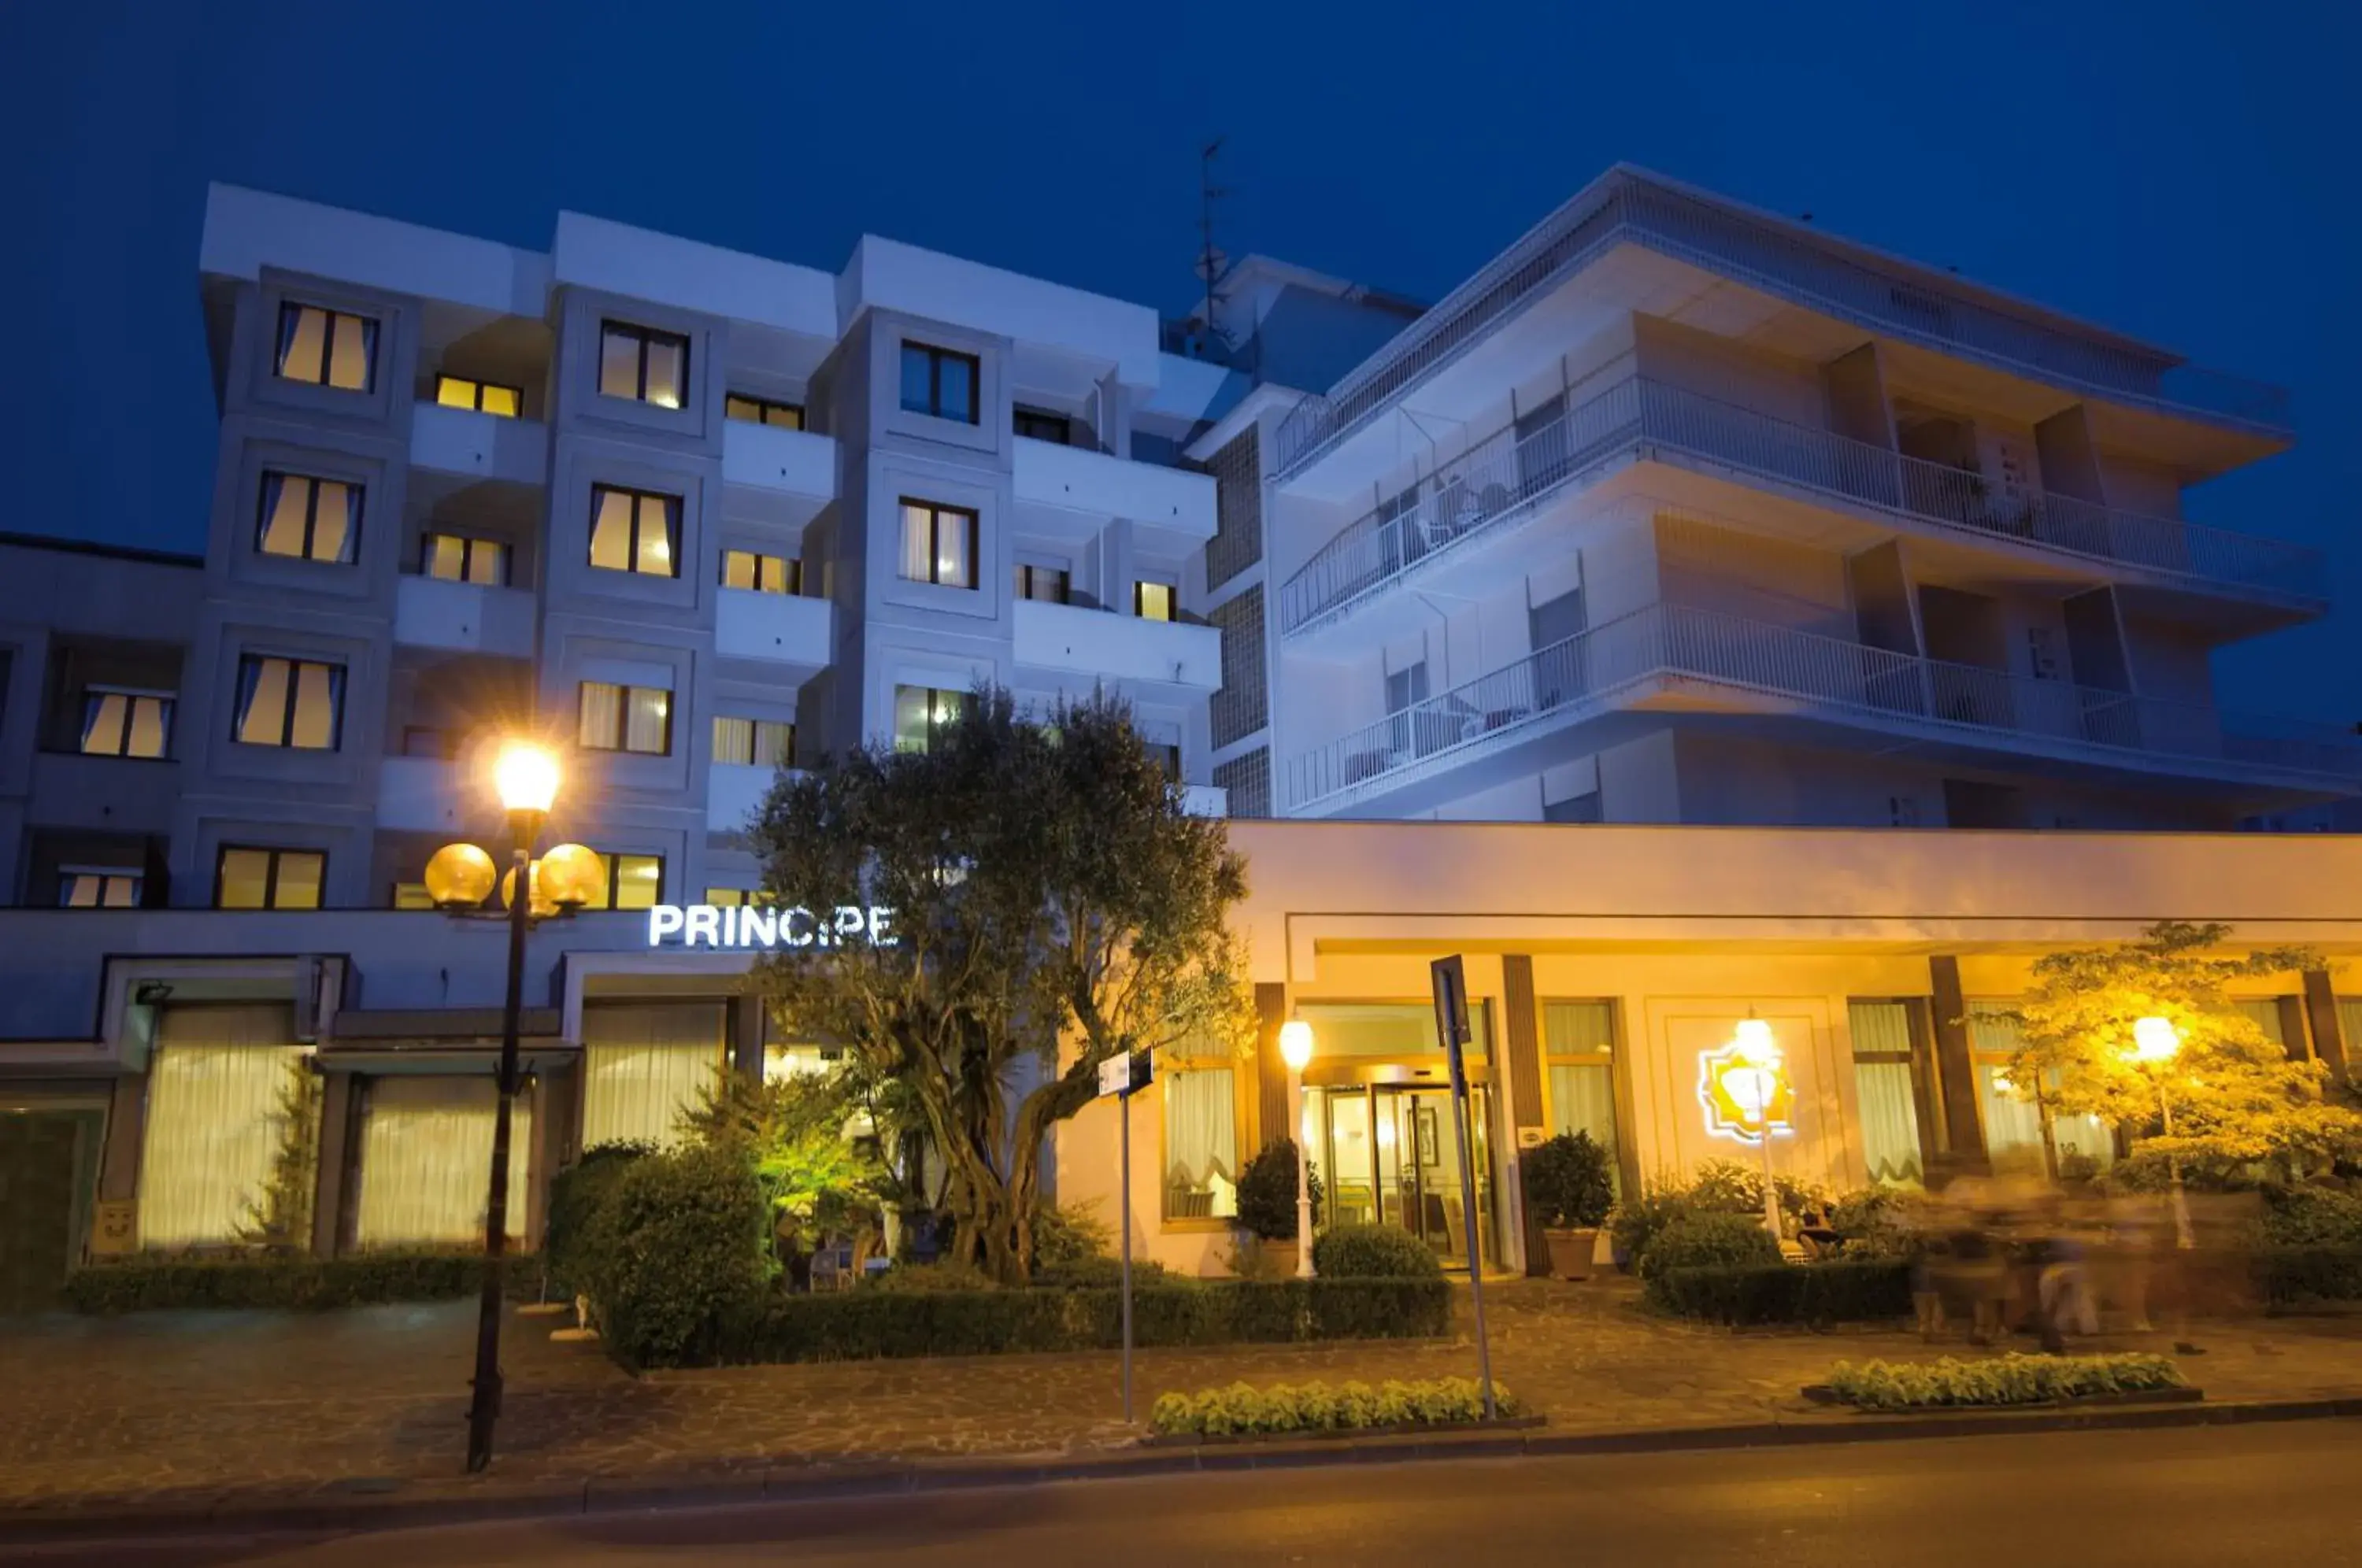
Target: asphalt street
<point>2276,1495</point>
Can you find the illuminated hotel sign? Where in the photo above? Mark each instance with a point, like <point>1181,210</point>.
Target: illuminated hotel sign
<point>1745,1089</point>
<point>751,926</point>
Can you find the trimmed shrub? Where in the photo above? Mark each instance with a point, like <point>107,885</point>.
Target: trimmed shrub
<point>1634,1223</point>
<point>1877,1222</point>
<point>2312,1217</point>
<point>1707,1241</point>
<point>2296,1276</point>
<point>158,1282</point>
<point>1069,1238</point>
<point>575,1195</point>
<point>1842,1292</point>
<point>926,1280</point>
<point>1320,1407</point>
<point>1570,1182</point>
<point>1998,1380</point>
<point>676,1250</point>
<point>1372,1251</point>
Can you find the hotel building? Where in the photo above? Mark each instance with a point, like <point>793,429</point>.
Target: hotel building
<point>1675,514</point>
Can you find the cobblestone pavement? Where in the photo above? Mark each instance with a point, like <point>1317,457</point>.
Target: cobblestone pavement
<point>177,1407</point>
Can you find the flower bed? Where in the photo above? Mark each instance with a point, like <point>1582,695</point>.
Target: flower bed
<point>1242,1409</point>
<point>2000,1380</point>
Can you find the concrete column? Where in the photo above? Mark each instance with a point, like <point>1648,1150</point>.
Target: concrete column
<point>2069,458</point>
<point>1855,387</point>
<point>746,1035</point>
<point>339,1140</point>
<point>1955,1068</point>
<point>1271,1072</point>
<point>557,1131</point>
<point>2328,1030</point>
<point>127,1130</point>
<point>1521,1045</point>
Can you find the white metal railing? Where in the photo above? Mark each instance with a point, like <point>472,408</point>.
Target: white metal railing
<point>1503,473</point>
<point>1626,206</point>
<point>1584,674</point>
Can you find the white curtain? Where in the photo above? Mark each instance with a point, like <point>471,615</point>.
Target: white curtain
<point>1200,1143</point>
<point>2014,1123</point>
<point>645,1064</point>
<point>1890,1115</point>
<point>2266,1015</point>
<point>1572,1029</point>
<point>213,1120</point>
<point>427,1156</point>
<point>1582,1099</point>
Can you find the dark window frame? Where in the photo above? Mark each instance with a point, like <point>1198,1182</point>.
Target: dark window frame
<point>936,512</point>
<point>936,357</point>
<point>763,408</point>
<point>1140,588</point>
<point>357,508</point>
<point>754,740</point>
<point>619,743</point>
<point>614,861</point>
<point>169,705</point>
<point>673,505</point>
<point>291,312</point>
<point>791,573</point>
<point>1027,571</point>
<point>642,337</point>
<point>934,728</point>
<point>468,544</point>
<point>269,876</point>
<point>337,674</point>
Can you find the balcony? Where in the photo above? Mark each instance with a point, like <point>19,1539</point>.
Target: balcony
<point>1502,478</point>
<point>1103,646</point>
<point>474,446</point>
<point>92,793</point>
<point>1670,657</point>
<point>463,617</point>
<point>420,794</point>
<point>1079,479</point>
<point>765,456</point>
<point>785,630</point>
<point>1627,207</point>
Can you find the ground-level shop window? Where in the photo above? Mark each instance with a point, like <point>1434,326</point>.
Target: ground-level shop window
<point>1885,1094</point>
<point>220,1104</point>
<point>1578,1048</point>
<point>646,1066</point>
<point>425,1147</point>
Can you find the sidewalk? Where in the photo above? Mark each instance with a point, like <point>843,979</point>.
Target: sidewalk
<point>190,1410</point>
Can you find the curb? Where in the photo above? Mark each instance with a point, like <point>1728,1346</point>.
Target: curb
<point>474,1502</point>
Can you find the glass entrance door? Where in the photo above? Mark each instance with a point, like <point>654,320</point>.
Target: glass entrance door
<point>1391,1150</point>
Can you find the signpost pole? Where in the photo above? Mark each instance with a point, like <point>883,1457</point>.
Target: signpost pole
<point>1125,1099</point>
<point>1450,987</point>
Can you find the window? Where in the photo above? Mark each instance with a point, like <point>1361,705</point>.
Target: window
<point>938,544</point>
<point>455,557</point>
<point>1051,585</point>
<point>634,881</point>
<point>411,895</point>
<point>218,1105</point>
<point>626,718</point>
<point>97,888</point>
<point>1579,1049</point>
<point>762,411</point>
<point>484,397</point>
<point>939,381</point>
<point>1401,1030</point>
<point>268,878</point>
<point>1201,1139</point>
<point>635,531</point>
<point>1153,601</point>
<point>1886,1091</point>
<point>1036,425</point>
<point>1167,759</point>
<point>762,574</point>
<point>753,743</point>
<point>921,714</point>
<point>729,897</point>
<point>2013,1126</point>
<point>643,364</point>
<point>118,721</point>
<point>308,519</point>
<point>290,702</point>
<point>326,348</point>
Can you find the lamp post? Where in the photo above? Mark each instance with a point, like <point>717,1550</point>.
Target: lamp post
<point>2156,1042</point>
<point>1295,1050</point>
<point>1762,1052</point>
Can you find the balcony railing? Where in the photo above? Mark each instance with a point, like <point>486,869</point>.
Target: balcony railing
<point>1592,672</point>
<point>1628,207</point>
<point>1644,418</point>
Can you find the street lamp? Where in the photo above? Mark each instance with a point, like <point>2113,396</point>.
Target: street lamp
<point>1756,1046</point>
<point>2156,1042</point>
<point>1295,1050</point>
<point>458,878</point>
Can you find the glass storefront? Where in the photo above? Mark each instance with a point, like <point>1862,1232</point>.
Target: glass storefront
<point>221,1091</point>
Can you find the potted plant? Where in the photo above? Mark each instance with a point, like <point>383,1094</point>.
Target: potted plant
<point>1569,1182</point>
<point>1267,1204</point>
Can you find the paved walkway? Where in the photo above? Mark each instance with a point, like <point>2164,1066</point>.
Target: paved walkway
<point>171,1408</point>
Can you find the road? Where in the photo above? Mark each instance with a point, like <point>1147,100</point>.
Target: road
<point>2276,1494</point>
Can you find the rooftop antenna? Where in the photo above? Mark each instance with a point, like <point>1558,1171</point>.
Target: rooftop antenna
<point>1209,259</point>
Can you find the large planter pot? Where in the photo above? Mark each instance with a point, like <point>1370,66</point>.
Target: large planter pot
<point>1278,1257</point>
<point>1571,1252</point>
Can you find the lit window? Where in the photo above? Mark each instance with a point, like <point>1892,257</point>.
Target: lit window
<point>762,574</point>
<point>727,897</point>
<point>635,531</point>
<point>268,878</point>
<point>626,718</point>
<point>289,702</point>
<point>643,364</point>
<point>921,714</point>
<point>1153,601</point>
<point>938,544</point>
<point>1201,1141</point>
<point>1051,585</point>
<point>634,881</point>
<point>120,721</point>
<point>753,743</point>
<point>1036,425</point>
<point>1579,1050</point>
<point>457,557</point>
<point>308,519</point>
<point>411,896</point>
<point>484,397</point>
<point>97,888</point>
<point>326,348</point>
<point>939,381</point>
<point>762,411</point>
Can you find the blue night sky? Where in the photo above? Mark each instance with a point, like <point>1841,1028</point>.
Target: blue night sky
<point>2182,172</point>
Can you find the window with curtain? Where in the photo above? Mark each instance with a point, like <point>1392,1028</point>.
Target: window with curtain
<point>2266,1012</point>
<point>484,397</point>
<point>324,348</point>
<point>1201,1138</point>
<point>458,557</point>
<point>1155,600</point>
<point>1884,1092</point>
<point>635,531</point>
<point>2014,1125</point>
<point>217,1107</point>
<point>253,879</point>
<point>1579,1062</point>
<point>643,364</point>
<point>923,713</point>
<point>1047,584</point>
<point>97,888</point>
<point>761,573</point>
<point>293,702</point>
<point>757,743</point>
<point>939,381</point>
<point>624,718</point>
<point>644,1065</point>
<point>307,518</point>
<point>939,544</point>
<point>118,721</point>
<point>762,411</point>
<point>426,1151</point>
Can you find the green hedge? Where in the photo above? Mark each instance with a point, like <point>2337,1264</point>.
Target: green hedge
<point>856,1325</point>
<point>2293,1276</point>
<point>1372,1251</point>
<point>1785,1293</point>
<point>1319,1407</point>
<point>151,1284</point>
<point>1997,1380</point>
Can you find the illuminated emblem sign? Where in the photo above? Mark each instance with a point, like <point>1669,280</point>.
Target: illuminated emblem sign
<point>751,926</point>
<point>1744,1087</point>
